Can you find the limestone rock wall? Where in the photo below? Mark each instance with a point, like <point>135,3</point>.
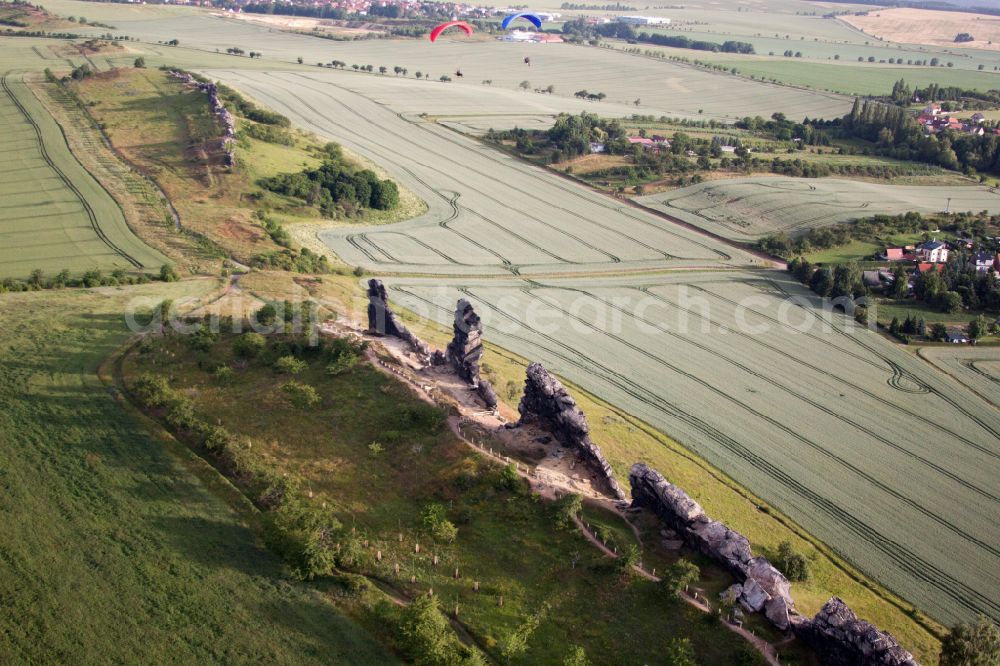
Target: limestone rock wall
<point>219,110</point>
<point>383,321</point>
<point>546,400</point>
<point>466,347</point>
<point>841,639</point>
<point>761,587</point>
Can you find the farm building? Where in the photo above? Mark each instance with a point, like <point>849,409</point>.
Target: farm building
<point>956,336</point>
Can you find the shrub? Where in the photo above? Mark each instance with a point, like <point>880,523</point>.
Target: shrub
<point>289,365</point>
<point>168,273</point>
<point>151,390</point>
<point>249,345</point>
<point>509,479</point>
<point>223,374</point>
<point>301,395</point>
<point>426,638</point>
<point>203,339</point>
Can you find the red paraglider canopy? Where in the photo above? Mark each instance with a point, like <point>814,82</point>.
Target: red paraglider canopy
<point>444,26</point>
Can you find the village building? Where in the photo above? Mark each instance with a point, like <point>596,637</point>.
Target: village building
<point>933,251</point>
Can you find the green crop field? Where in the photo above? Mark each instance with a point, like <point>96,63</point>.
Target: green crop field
<point>487,213</point>
<point>54,215</point>
<point>746,209</point>
<point>854,79</point>
<point>855,439</point>
<point>978,368</point>
<point>118,547</point>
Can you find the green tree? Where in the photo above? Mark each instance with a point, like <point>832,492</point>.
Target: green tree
<point>794,565</point>
<point>566,509</point>
<point>679,652</point>
<point>938,331</point>
<point>949,301</point>
<point>515,643</point>
<point>140,62</point>
<point>678,576</point>
<point>976,644</point>
<point>978,327</point>
<point>427,639</point>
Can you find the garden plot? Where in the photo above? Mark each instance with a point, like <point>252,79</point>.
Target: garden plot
<point>488,213</point>
<point>887,462</point>
<point>53,214</point>
<point>746,209</point>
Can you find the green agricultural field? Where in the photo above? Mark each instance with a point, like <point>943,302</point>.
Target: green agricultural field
<point>54,215</point>
<point>118,546</point>
<point>487,213</point>
<point>742,370</point>
<point>746,209</point>
<point>976,367</point>
<point>854,78</point>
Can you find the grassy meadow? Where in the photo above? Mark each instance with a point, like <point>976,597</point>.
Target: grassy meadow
<point>508,540</point>
<point>119,545</point>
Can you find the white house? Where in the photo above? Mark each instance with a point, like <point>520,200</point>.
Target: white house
<point>933,251</point>
<point>983,261</point>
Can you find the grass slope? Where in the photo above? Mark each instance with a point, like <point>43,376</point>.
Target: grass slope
<point>508,541</point>
<point>117,547</point>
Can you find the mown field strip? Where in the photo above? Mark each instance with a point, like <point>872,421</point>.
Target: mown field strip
<point>745,209</point>
<point>534,221</point>
<point>801,429</point>
<point>53,214</point>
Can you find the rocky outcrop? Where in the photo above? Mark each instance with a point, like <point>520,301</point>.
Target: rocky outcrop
<point>220,112</point>
<point>466,347</point>
<point>383,321</point>
<point>841,639</point>
<point>546,401</point>
<point>466,350</point>
<point>486,392</point>
<point>762,587</point>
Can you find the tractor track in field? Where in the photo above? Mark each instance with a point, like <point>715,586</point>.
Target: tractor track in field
<point>795,394</point>
<point>94,224</point>
<point>529,195</point>
<point>784,428</point>
<point>445,158</point>
<point>951,401</point>
<point>795,359</point>
<point>445,223</point>
<point>904,558</point>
